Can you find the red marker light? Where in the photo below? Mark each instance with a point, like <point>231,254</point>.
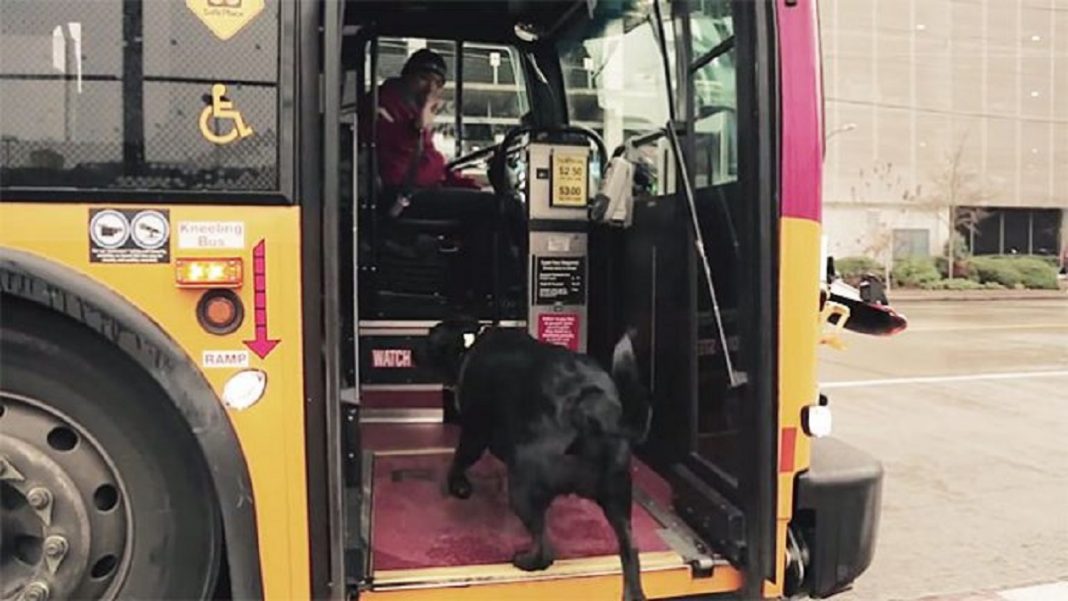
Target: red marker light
<point>220,312</point>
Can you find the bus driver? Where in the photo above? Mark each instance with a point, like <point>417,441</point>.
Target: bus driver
<point>416,182</point>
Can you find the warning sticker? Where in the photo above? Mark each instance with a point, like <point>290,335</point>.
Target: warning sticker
<point>391,358</point>
<point>225,17</point>
<point>559,280</point>
<point>211,234</point>
<point>224,359</point>
<point>569,179</point>
<point>129,236</point>
<point>559,328</point>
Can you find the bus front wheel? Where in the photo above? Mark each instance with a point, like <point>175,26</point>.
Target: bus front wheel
<point>103,493</point>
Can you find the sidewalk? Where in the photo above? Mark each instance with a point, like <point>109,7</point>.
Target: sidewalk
<point>1053,591</point>
<point>907,294</point>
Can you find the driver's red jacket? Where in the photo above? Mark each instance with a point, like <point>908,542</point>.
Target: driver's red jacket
<point>397,138</point>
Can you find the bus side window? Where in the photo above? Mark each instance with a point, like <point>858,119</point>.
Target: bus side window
<point>160,103</point>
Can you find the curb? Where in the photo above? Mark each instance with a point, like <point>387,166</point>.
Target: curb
<point>896,296</point>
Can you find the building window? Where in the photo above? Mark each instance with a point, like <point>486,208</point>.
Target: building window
<point>1007,231</point>
<point>912,243</point>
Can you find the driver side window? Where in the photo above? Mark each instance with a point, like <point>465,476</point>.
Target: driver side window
<point>494,95</point>
<point>485,95</point>
<point>393,52</point>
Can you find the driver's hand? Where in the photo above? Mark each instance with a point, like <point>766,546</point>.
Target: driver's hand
<point>481,179</point>
<point>433,104</point>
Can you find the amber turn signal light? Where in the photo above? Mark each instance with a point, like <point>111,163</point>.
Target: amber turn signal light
<point>208,273</point>
<point>220,311</point>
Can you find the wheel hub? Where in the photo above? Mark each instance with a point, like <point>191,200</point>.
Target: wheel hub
<point>64,519</point>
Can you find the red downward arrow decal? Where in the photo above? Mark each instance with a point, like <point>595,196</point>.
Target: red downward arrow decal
<point>261,345</point>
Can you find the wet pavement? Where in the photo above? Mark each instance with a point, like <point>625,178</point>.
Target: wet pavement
<point>968,411</point>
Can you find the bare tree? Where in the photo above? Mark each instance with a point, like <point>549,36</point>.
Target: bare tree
<point>958,189</point>
<point>882,183</point>
<point>879,245</point>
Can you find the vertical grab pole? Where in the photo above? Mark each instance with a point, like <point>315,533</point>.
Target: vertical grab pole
<point>331,122</point>
<point>699,243</point>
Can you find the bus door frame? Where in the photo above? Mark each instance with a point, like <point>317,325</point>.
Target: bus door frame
<point>317,132</point>
<point>754,499</point>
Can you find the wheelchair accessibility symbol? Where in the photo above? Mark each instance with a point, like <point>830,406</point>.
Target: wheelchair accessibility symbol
<point>220,111</point>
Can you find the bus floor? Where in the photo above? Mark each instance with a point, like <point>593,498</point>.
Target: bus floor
<point>421,537</point>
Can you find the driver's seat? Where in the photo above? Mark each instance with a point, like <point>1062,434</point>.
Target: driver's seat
<point>423,268</point>
<point>410,256</point>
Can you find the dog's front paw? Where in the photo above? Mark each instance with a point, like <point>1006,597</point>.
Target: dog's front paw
<point>459,486</point>
<point>532,561</point>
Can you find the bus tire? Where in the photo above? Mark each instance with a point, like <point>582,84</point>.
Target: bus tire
<point>105,492</point>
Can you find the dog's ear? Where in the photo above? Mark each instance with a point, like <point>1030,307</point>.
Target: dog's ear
<point>465,330</point>
<point>446,343</point>
<point>466,324</point>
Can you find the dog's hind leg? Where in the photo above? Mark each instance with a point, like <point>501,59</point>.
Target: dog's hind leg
<point>467,453</point>
<point>531,505</point>
<point>615,500</point>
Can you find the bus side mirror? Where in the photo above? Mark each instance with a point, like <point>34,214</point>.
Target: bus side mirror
<point>831,273</point>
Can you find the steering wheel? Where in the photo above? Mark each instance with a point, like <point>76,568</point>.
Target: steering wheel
<point>476,156</point>
<point>510,144</point>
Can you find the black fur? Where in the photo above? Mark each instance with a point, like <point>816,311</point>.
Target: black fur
<point>558,421</point>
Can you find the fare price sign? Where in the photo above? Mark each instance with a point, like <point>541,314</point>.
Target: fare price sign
<point>569,179</point>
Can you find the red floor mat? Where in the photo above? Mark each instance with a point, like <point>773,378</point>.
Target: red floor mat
<point>406,437</point>
<point>414,524</point>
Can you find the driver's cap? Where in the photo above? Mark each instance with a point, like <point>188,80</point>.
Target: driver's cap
<point>425,60</point>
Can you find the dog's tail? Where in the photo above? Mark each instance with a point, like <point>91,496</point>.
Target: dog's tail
<point>637,409</point>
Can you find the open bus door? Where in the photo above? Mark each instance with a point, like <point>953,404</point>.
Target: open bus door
<point>712,314</point>
<point>706,178</point>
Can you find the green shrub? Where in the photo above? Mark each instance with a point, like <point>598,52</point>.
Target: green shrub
<point>1036,273</point>
<point>935,285</point>
<point>997,269</point>
<point>915,271</point>
<point>1016,271</point>
<point>954,284</point>
<point>962,284</point>
<point>851,269</point>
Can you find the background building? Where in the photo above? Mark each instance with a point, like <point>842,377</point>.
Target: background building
<point>935,104</point>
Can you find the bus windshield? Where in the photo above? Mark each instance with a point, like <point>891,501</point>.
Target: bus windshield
<point>614,73</point>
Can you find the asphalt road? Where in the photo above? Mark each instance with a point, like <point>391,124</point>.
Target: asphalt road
<point>968,411</point>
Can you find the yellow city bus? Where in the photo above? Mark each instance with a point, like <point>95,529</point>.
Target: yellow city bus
<point>210,316</point>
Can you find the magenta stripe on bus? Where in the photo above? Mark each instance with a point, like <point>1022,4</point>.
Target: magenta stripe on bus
<point>802,114</point>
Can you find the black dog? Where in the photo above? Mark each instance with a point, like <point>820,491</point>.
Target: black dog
<point>558,421</point>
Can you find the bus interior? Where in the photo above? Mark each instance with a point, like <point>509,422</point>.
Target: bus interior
<point>532,88</point>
